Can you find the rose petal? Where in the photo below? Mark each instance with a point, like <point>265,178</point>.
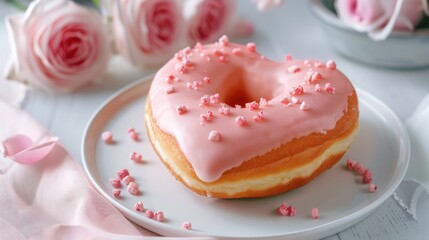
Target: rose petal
<point>20,148</point>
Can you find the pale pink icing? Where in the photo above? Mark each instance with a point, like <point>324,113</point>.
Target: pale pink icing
<point>243,71</point>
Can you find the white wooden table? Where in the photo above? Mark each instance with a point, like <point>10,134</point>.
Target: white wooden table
<point>290,30</point>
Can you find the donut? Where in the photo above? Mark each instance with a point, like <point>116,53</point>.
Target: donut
<point>229,123</point>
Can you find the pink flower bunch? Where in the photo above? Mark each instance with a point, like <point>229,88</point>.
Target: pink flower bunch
<point>380,17</point>
<point>61,46</point>
<point>57,45</point>
<point>148,32</point>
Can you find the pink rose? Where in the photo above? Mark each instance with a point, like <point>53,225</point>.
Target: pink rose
<point>267,5</point>
<point>380,17</point>
<point>207,20</point>
<point>147,32</point>
<point>57,45</point>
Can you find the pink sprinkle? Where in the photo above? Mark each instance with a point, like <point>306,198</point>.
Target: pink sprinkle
<point>236,51</point>
<point>128,179</point>
<point>189,85</point>
<point>319,65</point>
<point>329,88</point>
<point>107,137</point>
<point>295,100</point>
<point>315,213</point>
<point>306,62</point>
<point>187,50</point>
<point>198,46</point>
<point>285,100</point>
<point>224,41</point>
<point>367,176</point>
<point>293,69</point>
<point>252,105</point>
<point>205,101</point>
<point>131,130</point>
<point>304,106</point>
<point>372,188</point>
<point>116,183</point>
<point>181,109</point>
<point>288,58</point>
<point>159,216</point>
<point>282,209</point>
<point>218,52</point>
<point>123,173</point>
<point>223,59</point>
<point>291,211</point>
<point>214,136</point>
<point>133,188</point>
<point>149,214</point>
<point>207,117</point>
<point>251,47</point>
<point>237,106</point>
<point>259,117</point>
<point>331,65</point>
<point>210,114</point>
<point>240,120</point>
<point>299,90</point>
<point>351,164</point>
<point>169,79</point>
<point>263,102</point>
<point>207,80</point>
<point>139,207</point>
<point>214,98</point>
<point>317,88</point>
<point>133,135</point>
<point>136,157</point>
<point>116,193</point>
<point>188,63</point>
<point>359,168</point>
<point>187,225</point>
<point>170,90</point>
<point>316,76</point>
<point>180,67</point>
<point>224,110</point>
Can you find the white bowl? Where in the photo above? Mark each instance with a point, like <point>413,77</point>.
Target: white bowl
<point>403,50</point>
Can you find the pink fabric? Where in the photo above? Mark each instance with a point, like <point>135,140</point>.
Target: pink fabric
<point>51,198</point>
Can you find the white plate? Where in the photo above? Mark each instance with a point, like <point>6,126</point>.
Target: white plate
<point>382,145</point>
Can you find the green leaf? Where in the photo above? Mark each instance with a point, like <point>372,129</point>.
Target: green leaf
<point>96,2</point>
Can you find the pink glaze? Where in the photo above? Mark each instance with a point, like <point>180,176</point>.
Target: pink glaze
<point>255,78</point>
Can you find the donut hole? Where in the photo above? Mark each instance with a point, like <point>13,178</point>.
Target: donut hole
<point>241,87</point>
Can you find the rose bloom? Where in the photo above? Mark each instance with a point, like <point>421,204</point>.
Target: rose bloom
<point>380,17</point>
<point>57,45</point>
<point>207,20</point>
<point>146,32</point>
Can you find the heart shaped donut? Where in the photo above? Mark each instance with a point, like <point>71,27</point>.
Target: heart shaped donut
<point>229,123</point>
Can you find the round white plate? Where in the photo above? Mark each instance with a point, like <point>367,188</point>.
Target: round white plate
<point>381,144</point>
